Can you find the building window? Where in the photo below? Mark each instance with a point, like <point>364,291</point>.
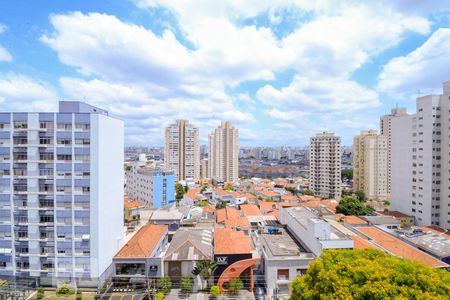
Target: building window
<point>283,274</point>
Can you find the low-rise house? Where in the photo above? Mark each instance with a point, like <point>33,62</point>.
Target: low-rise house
<point>227,213</point>
<point>192,196</point>
<point>405,220</point>
<point>188,246</point>
<point>167,216</point>
<point>141,257</point>
<point>388,221</point>
<point>283,260</point>
<point>132,210</point>
<point>270,195</point>
<point>313,231</point>
<point>233,253</point>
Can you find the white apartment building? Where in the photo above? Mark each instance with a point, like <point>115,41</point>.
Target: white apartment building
<point>223,154</point>
<point>386,130</point>
<point>182,151</point>
<point>421,157</point>
<point>325,165</point>
<point>370,168</point>
<point>61,194</point>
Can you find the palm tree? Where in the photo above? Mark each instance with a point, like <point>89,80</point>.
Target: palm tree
<point>204,269</point>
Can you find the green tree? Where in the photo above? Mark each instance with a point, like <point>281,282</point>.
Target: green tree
<point>179,191</point>
<point>228,188</point>
<point>291,189</point>
<point>202,203</point>
<point>307,192</point>
<point>350,206</point>
<point>221,204</point>
<point>64,289</point>
<point>40,293</point>
<point>369,274</point>
<point>235,285</point>
<point>361,196</point>
<point>159,296</point>
<point>204,269</point>
<point>79,295</point>
<point>164,285</point>
<point>215,291</point>
<point>186,284</point>
<point>347,174</point>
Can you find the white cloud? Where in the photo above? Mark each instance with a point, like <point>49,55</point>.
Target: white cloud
<point>326,94</point>
<point>285,115</point>
<point>422,69</point>
<point>4,54</point>
<point>21,93</point>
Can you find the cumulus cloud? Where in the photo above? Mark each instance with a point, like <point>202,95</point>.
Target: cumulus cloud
<point>422,69</point>
<point>4,54</point>
<point>22,93</point>
<point>326,94</point>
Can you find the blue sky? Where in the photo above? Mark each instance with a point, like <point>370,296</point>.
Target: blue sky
<point>280,70</point>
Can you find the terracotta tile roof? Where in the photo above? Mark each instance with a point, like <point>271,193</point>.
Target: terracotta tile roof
<point>354,220</point>
<point>143,242</point>
<point>267,206</point>
<point>128,203</point>
<point>394,213</point>
<point>359,243</point>
<point>399,248</point>
<point>239,222</point>
<point>250,196</point>
<point>193,193</point>
<point>209,209</point>
<point>227,213</point>
<point>287,204</point>
<point>289,198</point>
<point>307,198</point>
<point>268,193</point>
<point>228,241</point>
<point>274,213</point>
<point>250,210</point>
<point>220,192</point>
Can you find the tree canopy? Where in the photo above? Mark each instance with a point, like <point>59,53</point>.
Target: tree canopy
<point>179,191</point>
<point>347,174</point>
<point>369,274</point>
<point>350,206</point>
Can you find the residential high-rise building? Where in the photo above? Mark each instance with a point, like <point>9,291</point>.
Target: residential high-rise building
<point>370,164</point>
<point>386,130</point>
<point>223,154</point>
<point>325,165</point>
<point>421,161</point>
<point>182,150</point>
<point>61,193</point>
<point>204,171</point>
<point>155,188</point>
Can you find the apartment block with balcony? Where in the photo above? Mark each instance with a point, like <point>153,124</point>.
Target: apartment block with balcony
<point>325,165</point>
<point>60,172</point>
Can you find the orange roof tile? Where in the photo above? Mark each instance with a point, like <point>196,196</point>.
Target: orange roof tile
<point>143,242</point>
<point>250,196</point>
<point>220,192</point>
<point>228,241</point>
<point>239,222</point>
<point>209,209</point>
<point>359,243</point>
<point>354,220</point>
<point>289,198</point>
<point>394,213</point>
<point>250,210</point>
<point>227,213</point>
<point>267,206</point>
<point>274,213</point>
<point>399,248</point>
<point>128,203</point>
<point>268,193</point>
<point>193,193</point>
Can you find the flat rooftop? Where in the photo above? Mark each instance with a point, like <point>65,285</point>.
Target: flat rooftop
<point>303,215</point>
<point>399,248</point>
<point>432,241</point>
<point>283,246</point>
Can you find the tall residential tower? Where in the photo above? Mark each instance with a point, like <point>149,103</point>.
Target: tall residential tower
<point>61,193</point>
<point>421,161</point>
<point>182,150</point>
<point>325,165</point>
<point>223,154</point>
<point>370,164</point>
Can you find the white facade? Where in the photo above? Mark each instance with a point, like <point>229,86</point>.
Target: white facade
<point>64,194</point>
<point>182,150</point>
<point>386,130</point>
<point>325,165</point>
<point>370,173</point>
<point>428,197</point>
<point>223,154</point>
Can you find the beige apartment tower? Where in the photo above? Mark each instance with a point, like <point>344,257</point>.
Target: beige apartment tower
<point>386,130</point>
<point>370,167</point>
<point>325,165</point>
<point>182,150</point>
<point>223,153</point>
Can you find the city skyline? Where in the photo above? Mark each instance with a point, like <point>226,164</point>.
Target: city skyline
<point>169,65</point>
